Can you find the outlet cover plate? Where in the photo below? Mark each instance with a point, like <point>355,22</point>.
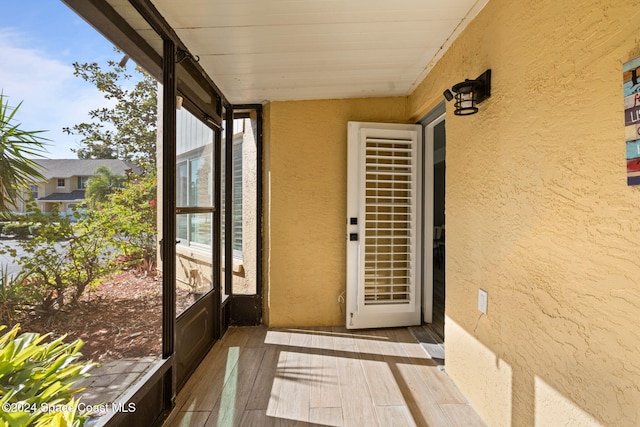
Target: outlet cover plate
<point>482,300</point>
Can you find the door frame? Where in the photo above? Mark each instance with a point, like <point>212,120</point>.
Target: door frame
<point>428,122</point>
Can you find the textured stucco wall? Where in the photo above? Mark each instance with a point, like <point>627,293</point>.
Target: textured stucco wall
<point>305,205</point>
<point>539,215</point>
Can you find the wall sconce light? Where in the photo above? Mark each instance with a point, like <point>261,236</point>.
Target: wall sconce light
<point>470,93</point>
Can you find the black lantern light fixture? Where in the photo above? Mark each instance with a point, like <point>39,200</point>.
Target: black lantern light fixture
<point>469,94</point>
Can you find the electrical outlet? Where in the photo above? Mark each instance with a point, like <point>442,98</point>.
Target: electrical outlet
<point>482,300</point>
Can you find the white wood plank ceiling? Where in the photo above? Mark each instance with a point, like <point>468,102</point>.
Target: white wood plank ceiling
<point>268,50</point>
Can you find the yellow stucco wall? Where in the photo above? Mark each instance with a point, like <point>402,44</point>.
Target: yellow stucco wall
<point>305,205</point>
<point>539,214</point>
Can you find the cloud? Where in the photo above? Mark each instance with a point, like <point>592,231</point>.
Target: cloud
<point>52,97</point>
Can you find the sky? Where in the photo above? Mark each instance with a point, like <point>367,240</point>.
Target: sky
<point>39,42</point>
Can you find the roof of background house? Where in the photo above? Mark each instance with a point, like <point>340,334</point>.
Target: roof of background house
<point>66,168</point>
<point>63,197</point>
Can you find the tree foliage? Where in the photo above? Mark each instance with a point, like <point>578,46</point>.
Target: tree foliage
<point>17,170</point>
<point>127,129</point>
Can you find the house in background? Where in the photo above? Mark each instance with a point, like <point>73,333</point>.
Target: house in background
<point>66,182</point>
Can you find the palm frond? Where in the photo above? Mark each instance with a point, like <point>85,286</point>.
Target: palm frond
<point>17,169</point>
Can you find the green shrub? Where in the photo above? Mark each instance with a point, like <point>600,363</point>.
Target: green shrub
<point>62,260</point>
<point>36,380</point>
<point>16,229</point>
<point>2,226</point>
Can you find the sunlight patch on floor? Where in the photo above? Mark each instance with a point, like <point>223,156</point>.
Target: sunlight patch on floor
<point>228,397</point>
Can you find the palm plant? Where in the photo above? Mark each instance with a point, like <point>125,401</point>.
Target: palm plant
<point>12,295</point>
<point>16,145</point>
<point>102,184</point>
<point>37,380</point>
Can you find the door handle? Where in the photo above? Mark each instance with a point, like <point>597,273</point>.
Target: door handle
<point>161,243</point>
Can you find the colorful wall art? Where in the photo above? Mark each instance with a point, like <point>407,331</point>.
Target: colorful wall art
<point>631,85</point>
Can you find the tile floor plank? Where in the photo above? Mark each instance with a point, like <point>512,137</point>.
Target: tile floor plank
<point>230,406</point>
<point>441,386</point>
<point>325,392</point>
<point>256,336</point>
<point>296,379</point>
<point>462,415</point>
<point>421,402</point>
<point>393,416</point>
<point>357,405</point>
<point>205,385</point>
<point>378,372</point>
<point>260,393</point>
<point>256,417</point>
<point>326,416</point>
<point>189,419</point>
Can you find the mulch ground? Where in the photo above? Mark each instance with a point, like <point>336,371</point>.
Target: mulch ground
<point>122,317</point>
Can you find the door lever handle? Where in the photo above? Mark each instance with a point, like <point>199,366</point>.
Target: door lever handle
<point>161,243</point>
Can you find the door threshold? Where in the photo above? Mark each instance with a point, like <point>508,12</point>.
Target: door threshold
<point>430,342</point>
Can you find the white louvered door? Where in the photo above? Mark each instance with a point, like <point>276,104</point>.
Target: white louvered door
<point>383,220</point>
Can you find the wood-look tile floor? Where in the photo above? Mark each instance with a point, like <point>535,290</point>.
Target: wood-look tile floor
<point>323,377</point>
